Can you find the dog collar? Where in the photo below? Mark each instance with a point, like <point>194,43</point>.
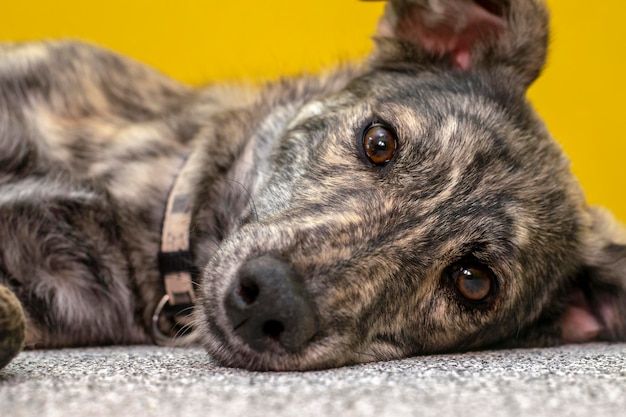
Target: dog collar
<point>173,312</point>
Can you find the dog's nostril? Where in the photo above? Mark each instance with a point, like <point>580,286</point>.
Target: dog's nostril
<point>273,329</point>
<point>248,293</point>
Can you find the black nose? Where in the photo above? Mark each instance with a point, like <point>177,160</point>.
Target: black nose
<point>267,305</point>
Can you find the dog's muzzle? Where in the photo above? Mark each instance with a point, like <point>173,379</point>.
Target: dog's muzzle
<point>268,306</point>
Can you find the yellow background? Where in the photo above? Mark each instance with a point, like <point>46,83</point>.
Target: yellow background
<point>581,94</point>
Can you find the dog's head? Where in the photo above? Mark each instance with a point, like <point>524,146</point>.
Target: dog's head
<point>424,208</point>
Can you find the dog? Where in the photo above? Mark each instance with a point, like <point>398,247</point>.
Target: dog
<point>411,205</point>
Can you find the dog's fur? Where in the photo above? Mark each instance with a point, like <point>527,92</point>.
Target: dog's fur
<point>90,144</point>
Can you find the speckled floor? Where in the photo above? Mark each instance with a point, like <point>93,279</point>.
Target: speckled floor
<point>586,380</point>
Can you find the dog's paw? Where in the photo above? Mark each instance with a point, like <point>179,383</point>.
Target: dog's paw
<point>12,326</point>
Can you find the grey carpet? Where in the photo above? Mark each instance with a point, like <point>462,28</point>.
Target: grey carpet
<point>587,380</point>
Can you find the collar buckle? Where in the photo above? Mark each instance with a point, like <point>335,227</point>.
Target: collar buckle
<point>177,319</point>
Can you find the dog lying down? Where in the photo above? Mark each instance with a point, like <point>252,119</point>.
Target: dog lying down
<point>414,205</point>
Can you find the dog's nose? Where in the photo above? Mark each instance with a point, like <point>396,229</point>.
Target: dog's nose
<point>267,304</point>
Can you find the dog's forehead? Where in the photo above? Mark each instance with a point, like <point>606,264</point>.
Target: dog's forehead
<point>438,95</point>
<point>451,114</point>
<point>473,156</point>
<point>457,121</point>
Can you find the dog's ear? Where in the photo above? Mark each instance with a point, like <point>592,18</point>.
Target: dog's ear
<point>464,34</point>
<point>596,309</point>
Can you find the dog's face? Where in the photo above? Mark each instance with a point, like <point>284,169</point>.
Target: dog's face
<point>422,209</point>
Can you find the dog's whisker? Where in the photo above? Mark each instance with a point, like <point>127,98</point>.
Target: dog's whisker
<point>247,196</point>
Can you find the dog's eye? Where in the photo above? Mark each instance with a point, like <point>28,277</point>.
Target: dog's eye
<point>474,281</point>
<point>379,143</point>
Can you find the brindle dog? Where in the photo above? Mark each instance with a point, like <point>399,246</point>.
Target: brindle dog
<point>416,204</point>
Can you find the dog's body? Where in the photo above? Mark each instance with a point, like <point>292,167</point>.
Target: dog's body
<point>411,206</point>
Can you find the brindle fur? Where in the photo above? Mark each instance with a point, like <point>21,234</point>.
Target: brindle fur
<point>90,143</point>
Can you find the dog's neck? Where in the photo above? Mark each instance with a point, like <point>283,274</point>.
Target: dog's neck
<point>175,258</point>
